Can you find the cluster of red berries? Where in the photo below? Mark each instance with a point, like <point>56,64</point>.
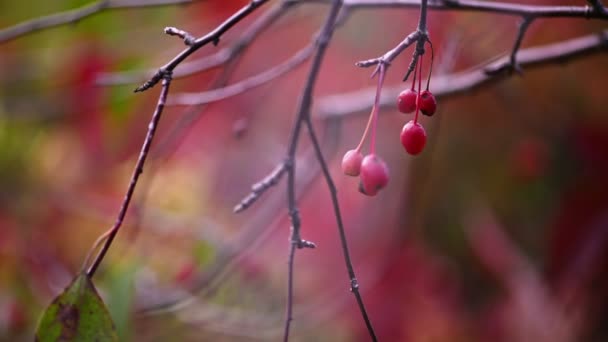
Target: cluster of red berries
<point>413,135</point>
<point>371,169</point>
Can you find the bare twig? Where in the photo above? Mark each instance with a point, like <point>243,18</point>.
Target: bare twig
<point>139,168</point>
<point>461,82</point>
<point>165,73</point>
<point>303,112</point>
<point>388,57</point>
<point>219,58</point>
<point>354,284</point>
<point>74,16</point>
<point>211,37</point>
<point>527,12</point>
<point>244,85</point>
<point>187,37</point>
<point>260,187</point>
<point>420,36</point>
<point>523,27</point>
<point>486,7</point>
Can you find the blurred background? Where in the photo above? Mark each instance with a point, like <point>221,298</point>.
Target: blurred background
<point>497,231</point>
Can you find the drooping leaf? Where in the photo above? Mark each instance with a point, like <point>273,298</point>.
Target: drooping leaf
<point>77,314</point>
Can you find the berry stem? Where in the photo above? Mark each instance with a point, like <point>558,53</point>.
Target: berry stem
<point>369,123</point>
<point>428,80</point>
<point>414,78</point>
<point>419,90</point>
<point>374,116</point>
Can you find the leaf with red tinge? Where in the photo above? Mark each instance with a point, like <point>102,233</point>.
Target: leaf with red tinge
<point>78,314</point>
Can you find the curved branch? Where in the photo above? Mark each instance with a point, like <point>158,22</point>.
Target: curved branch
<point>74,16</point>
<point>457,83</point>
<point>211,37</point>
<point>187,99</point>
<point>488,7</point>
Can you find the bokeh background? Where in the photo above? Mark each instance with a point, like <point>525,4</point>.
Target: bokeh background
<point>498,231</point>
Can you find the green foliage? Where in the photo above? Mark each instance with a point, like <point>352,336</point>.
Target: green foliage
<point>78,314</point>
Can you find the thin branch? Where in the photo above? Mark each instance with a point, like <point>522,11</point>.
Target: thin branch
<point>458,83</point>
<point>486,7</point>
<point>289,65</point>
<point>187,99</point>
<point>185,36</point>
<point>354,284</point>
<point>523,27</point>
<point>303,112</point>
<point>527,12</point>
<point>388,57</point>
<point>211,37</point>
<point>74,16</point>
<point>215,60</point>
<point>259,188</point>
<point>420,36</point>
<point>218,58</point>
<point>139,168</point>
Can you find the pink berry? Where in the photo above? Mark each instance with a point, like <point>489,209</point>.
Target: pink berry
<point>406,101</point>
<point>413,137</point>
<point>374,175</point>
<point>428,104</point>
<point>351,163</point>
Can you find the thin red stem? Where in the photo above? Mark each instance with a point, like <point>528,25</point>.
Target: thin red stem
<point>414,78</point>
<point>419,89</point>
<point>375,109</point>
<point>428,80</point>
<point>369,123</point>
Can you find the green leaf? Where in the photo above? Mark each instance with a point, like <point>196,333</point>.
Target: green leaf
<point>78,314</point>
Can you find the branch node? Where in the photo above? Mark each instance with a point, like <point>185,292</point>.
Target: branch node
<point>306,244</point>
<point>354,285</point>
<point>187,37</point>
<point>381,62</point>
<point>260,187</point>
<point>160,74</point>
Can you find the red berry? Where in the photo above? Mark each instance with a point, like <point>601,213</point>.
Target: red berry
<point>374,175</point>
<point>406,101</point>
<point>351,163</point>
<point>428,104</point>
<point>413,137</point>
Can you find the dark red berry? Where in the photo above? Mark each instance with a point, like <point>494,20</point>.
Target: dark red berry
<point>428,104</point>
<point>406,101</point>
<point>413,137</point>
<point>374,175</point>
<point>351,163</point>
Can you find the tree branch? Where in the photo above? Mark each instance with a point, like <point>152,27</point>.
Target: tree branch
<point>139,169</point>
<point>354,284</point>
<point>211,37</point>
<point>458,83</point>
<point>188,99</point>
<point>303,113</point>
<point>214,60</point>
<point>74,16</point>
<point>487,7</point>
